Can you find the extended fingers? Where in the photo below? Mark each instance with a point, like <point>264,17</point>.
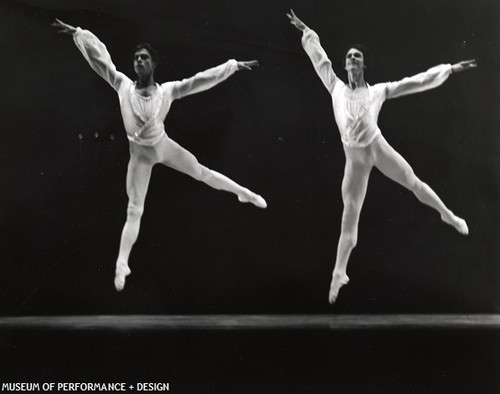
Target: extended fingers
<point>59,23</point>
<point>63,27</point>
<point>470,63</point>
<point>252,63</point>
<point>293,18</point>
<point>248,64</point>
<point>464,65</point>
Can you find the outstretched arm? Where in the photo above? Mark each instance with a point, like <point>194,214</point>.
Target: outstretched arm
<point>94,51</point>
<point>430,79</point>
<point>207,79</point>
<point>318,56</point>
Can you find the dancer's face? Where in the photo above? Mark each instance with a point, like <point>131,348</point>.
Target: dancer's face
<point>354,60</point>
<point>143,63</point>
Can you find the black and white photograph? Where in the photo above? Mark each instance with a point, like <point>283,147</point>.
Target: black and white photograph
<point>250,196</point>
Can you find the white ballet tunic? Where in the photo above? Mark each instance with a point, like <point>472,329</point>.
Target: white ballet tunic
<point>357,118</point>
<point>143,117</point>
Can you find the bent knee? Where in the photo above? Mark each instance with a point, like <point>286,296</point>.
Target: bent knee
<point>352,209</point>
<point>420,189</point>
<point>350,237</point>
<point>134,211</point>
<point>410,180</point>
<point>202,173</point>
<point>414,183</point>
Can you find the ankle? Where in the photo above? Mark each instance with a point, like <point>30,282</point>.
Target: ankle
<point>339,274</point>
<point>123,264</point>
<point>447,215</point>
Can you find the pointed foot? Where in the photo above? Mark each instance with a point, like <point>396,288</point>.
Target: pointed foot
<point>458,223</point>
<point>122,271</point>
<point>338,280</point>
<point>254,199</point>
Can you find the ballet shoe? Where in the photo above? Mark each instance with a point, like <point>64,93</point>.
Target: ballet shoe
<point>461,227</point>
<point>337,282</point>
<point>253,198</point>
<point>458,223</point>
<point>122,271</point>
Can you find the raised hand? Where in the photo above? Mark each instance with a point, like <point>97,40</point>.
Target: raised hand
<point>296,21</point>
<point>463,65</point>
<point>64,27</point>
<point>248,64</point>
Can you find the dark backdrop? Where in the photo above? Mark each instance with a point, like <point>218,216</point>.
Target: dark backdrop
<point>64,153</point>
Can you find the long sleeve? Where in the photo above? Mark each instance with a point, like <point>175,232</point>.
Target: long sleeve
<point>98,57</point>
<point>204,80</point>
<point>430,79</point>
<point>319,58</point>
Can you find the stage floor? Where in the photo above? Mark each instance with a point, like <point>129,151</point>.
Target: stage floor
<point>258,353</point>
<point>253,322</point>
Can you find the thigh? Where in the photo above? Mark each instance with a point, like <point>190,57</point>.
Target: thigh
<point>138,176</point>
<point>175,156</point>
<point>391,163</point>
<point>355,183</point>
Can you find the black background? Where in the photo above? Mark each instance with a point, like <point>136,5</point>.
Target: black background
<point>63,201</point>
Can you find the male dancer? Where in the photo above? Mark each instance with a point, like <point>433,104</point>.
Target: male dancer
<point>356,106</point>
<point>144,105</point>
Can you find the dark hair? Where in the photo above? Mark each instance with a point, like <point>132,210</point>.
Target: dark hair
<point>363,50</point>
<point>147,46</point>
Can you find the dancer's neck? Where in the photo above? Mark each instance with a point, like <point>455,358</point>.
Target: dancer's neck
<point>145,81</point>
<point>356,80</point>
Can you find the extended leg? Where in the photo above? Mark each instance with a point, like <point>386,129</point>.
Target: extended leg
<point>138,176</point>
<point>180,159</point>
<point>395,167</point>
<point>354,187</point>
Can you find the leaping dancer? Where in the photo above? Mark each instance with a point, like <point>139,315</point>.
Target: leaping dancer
<point>356,106</point>
<point>144,105</point>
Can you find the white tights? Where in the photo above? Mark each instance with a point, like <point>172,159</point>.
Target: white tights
<point>359,163</point>
<point>171,154</point>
